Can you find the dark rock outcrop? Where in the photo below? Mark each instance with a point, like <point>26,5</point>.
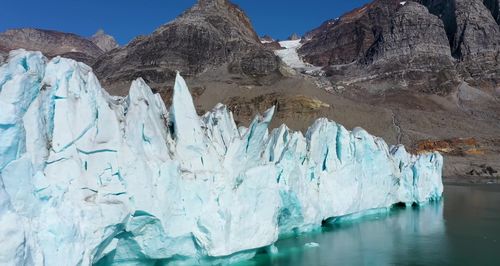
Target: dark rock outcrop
<point>50,43</point>
<point>3,54</point>
<point>424,45</point>
<point>209,35</point>
<point>104,41</point>
<point>414,52</point>
<point>270,43</point>
<point>267,38</point>
<point>347,39</point>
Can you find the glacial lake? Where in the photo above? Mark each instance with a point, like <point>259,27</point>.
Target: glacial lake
<point>461,229</point>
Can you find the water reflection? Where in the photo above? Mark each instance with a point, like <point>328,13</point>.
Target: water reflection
<point>472,219</point>
<point>463,229</point>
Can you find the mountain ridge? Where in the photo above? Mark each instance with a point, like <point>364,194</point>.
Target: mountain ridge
<point>50,42</point>
<point>208,35</point>
<point>453,40</point>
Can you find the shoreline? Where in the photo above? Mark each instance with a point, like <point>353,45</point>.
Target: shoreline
<point>471,180</point>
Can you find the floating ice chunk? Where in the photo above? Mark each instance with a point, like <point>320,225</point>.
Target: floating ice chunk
<point>311,245</point>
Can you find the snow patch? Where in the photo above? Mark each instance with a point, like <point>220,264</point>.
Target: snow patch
<point>291,58</point>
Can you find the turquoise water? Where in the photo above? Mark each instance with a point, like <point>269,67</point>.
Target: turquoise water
<point>462,229</point>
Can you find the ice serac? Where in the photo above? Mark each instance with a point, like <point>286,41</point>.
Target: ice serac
<point>88,178</point>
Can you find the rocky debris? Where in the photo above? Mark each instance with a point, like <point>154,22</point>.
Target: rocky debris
<point>286,106</point>
<point>51,43</point>
<point>104,41</point>
<point>209,35</point>
<point>294,37</point>
<point>424,45</point>
<point>469,160</point>
<point>456,146</point>
<point>483,170</point>
<point>477,103</point>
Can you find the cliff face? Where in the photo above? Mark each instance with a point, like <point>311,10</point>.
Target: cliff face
<point>51,43</point>
<point>414,52</point>
<point>210,34</point>
<point>426,45</point>
<point>344,40</point>
<point>474,38</point>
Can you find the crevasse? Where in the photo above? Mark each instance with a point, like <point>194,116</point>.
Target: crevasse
<point>88,178</point>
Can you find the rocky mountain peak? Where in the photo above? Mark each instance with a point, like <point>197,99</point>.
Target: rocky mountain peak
<point>104,41</point>
<point>419,40</point>
<point>99,32</point>
<point>210,35</point>
<point>207,3</point>
<point>218,12</point>
<point>472,28</point>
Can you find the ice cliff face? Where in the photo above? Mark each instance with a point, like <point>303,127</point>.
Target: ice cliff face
<point>89,178</point>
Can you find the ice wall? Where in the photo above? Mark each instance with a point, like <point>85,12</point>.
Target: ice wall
<point>89,178</point>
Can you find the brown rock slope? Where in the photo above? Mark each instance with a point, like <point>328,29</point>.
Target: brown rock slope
<point>210,34</point>
<point>385,44</point>
<point>50,43</point>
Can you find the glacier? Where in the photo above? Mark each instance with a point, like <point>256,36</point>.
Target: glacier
<point>91,179</point>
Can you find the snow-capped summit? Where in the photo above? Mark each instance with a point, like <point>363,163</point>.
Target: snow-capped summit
<point>86,177</point>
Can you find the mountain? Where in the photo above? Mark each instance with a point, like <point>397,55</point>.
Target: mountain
<point>51,43</point>
<point>104,41</point>
<point>419,73</point>
<point>427,45</point>
<point>294,37</point>
<point>211,34</point>
<point>432,66</point>
<point>473,31</point>
<point>91,179</point>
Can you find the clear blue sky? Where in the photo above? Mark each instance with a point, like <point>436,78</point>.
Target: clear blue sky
<point>125,19</point>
